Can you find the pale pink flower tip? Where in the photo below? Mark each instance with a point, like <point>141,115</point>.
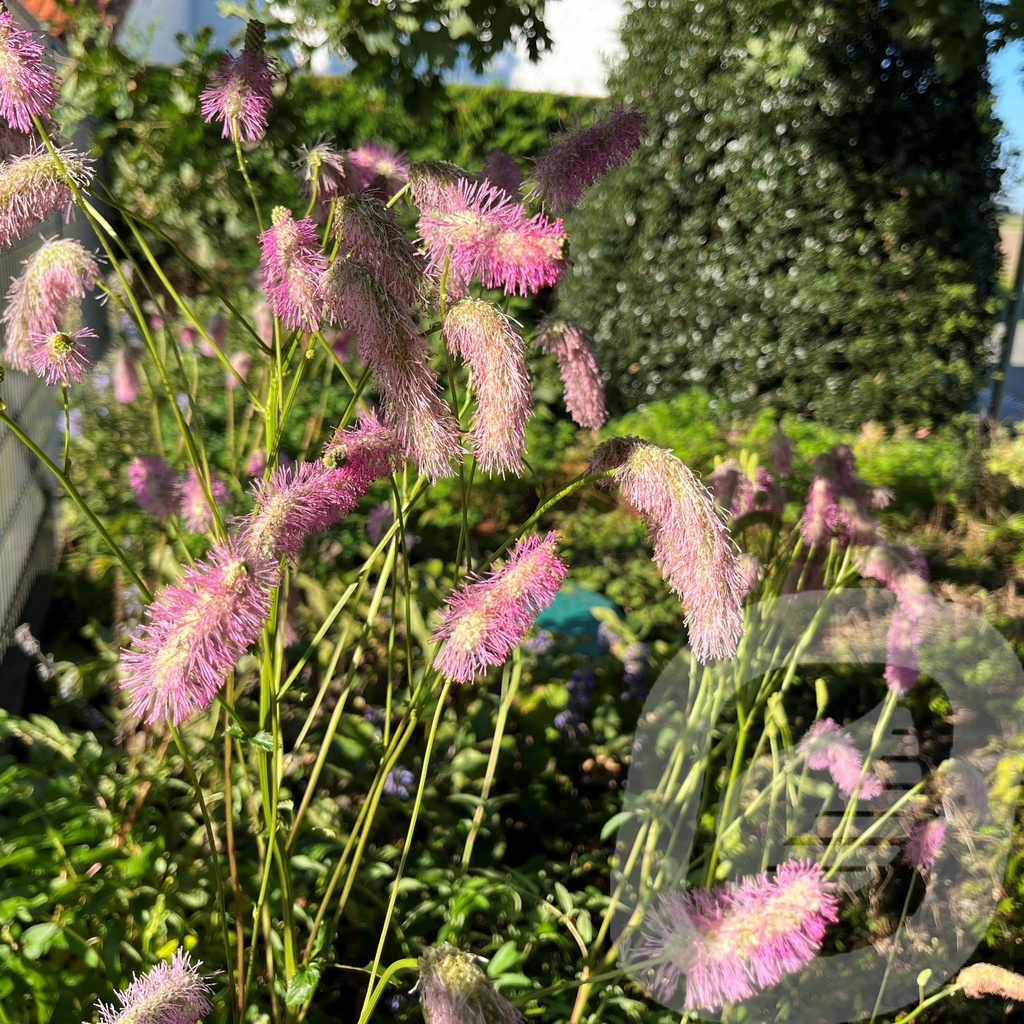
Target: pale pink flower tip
<point>173,992</point>
<point>484,337</point>
<point>197,630</point>
<point>292,265</point>
<point>487,617</point>
<point>454,990</point>
<point>34,186</point>
<point>195,506</point>
<point>155,485</point>
<point>692,546</point>
<point>376,167</point>
<point>577,363</point>
<point>480,231</point>
<point>988,980</point>
<point>126,377</point>
<point>59,357</point>
<point>239,93</point>
<point>821,514</point>
<point>738,939</point>
<point>27,86</point>
<point>925,843</point>
<point>827,746</point>
<point>576,159</point>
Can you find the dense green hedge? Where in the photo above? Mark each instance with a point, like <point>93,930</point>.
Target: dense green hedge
<point>809,226</point>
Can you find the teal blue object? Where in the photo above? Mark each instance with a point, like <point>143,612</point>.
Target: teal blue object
<point>569,614</point>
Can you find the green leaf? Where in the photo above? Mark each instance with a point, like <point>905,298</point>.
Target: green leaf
<point>303,984</point>
<point>37,940</point>
<point>263,741</point>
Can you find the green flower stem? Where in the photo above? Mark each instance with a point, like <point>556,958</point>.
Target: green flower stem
<point>66,403</point>
<point>375,992</point>
<point>79,501</point>
<point>245,173</point>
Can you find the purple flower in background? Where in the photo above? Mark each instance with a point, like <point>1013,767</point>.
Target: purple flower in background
<point>241,362</point>
<point>541,643</point>
<point>155,485</point>
<point>194,505</point>
<point>170,993</point>
<point>399,782</point>
<point>827,746</point>
<point>27,86</point>
<point>126,377</point>
<point>238,95</point>
<point>377,167</point>
<point>925,843</point>
<point>821,514</point>
<point>502,171</point>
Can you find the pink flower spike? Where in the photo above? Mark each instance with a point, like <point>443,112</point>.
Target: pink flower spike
<point>484,337</point>
<point>170,993</point>
<point>197,630</point>
<point>155,486</point>
<point>482,232</point>
<point>980,980</point>
<point>430,180</point>
<point>34,186</point>
<point>578,158</point>
<point>239,93</point>
<point>487,617</point>
<point>292,265</point>
<point>731,942</point>
<point>367,452</point>
<point>322,169</point>
<point>59,357</point>
<point>821,514</point>
<point>378,168</point>
<point>27,86</point>
<point>581,376</point>
<point>195,508</point>
<point>925,843</point>
<point>827,746</point>
<point>454,989</point>
<point>692,546</point>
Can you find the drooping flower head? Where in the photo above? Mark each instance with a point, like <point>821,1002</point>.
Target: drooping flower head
<point>827,746</point>
<point>194,504</point>
<point>484,337</point>
<point>578,158</point>
<point>60,357</point>
<point>292,265</point>
<point>988,980</point>
<point>577,363</point>
<point>821,514</point>
<point>488,616</point>
<point>172,992</point>
<point>367,452</point>
<point>27,85</point>
<point>454,990</point>
<point>692,546</point>
<point>733,941</point>
<point>197,630</point>
<point>238,95</point>
<point>55,276</point>
<point>155,485</point>
<point>480,231</point>
<point>34,186</point>
<point>502,171</point>
<point>376,167</point>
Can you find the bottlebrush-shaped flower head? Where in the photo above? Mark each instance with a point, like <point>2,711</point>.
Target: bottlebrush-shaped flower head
<point>576,159</point>
<point>577,363</point>
<point>827,746</point>
<point>488,616</point>
<point>692,546</point>
<point>27,85</point>
<point>454,990</point>
<point>197,630</point>
<point>55,275</point>
<point>367,452</point>
<point>155,486</point>
<point>924,843</point>
<point>194,504</point>
<point>430,180</point>
<point>484,338</point>
<point>988,980</point>
<point>238,95</point>
<point>376,167</point>
<point>821,514</point>
<point>478,230</point>
<point>173,992</point>
<point>34,186</point>
<point>738,939</point>
<point>292,265</point>
<point>60,357</point>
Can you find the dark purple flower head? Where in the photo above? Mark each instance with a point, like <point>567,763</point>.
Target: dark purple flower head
<point>577,363</point>
<point>27,85</point>
<point>780,453</point>
<point>60,357</point>
<point>238,95</point>
<point>502,171</point>
<point>292,265</point>
<point>173,992</point>
<point>925,843</point>
<point>576,159</point>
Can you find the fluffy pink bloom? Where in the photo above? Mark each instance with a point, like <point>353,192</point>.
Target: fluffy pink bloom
<point>692,546</point>
<point>454,990</point>
<point>368,451</point>
<point>430,181</point>
<point>578,158</point>
<point>367,230</point>
<point>59,357</point>
<point>502,171</point>
<point>188,335</point>
<point>155,486</point>
<point>239,93</point>
<point>194,505</point>
<point>925,843</point>
<point>126,377</point>
<point>322,169</point>
<point>387,340</point>
<point>827,746</point>
<point>55,275</point>
<point>173,992</point>
<point>902,640</point>
<point>34,186</point>
<point>292,265</point>
<point>487,617</point>
<point>821,514</point>
<point>738,939</point>
<point>581,376</point>
<point>376,167</point>
<point>484,337</point>
<point>988,980</point>
<point>27,86</point>
<point>197,630</point>
<point>480,231</point>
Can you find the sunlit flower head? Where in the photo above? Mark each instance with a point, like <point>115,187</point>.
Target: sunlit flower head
<point>27,85</point>
<point>172,992</point>
<point>980,980</point>
<point>577,363</point>
<point>924,844</point>
<point>368,451</point>
<point>376,167</point>
<point>821,514</point>
<point>454,989</point>
<point>292,265</point>
<point>60,357</point>
<point>826,746</point>
<point>322,169</point>
<point>34,186</point>
<point>430,180</point>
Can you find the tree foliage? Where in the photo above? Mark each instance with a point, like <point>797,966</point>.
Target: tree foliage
<point>810,223</point>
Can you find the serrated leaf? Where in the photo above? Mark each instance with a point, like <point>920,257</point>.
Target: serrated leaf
<point>263,741</point>
<point>303,985</point>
